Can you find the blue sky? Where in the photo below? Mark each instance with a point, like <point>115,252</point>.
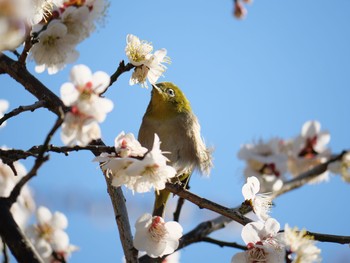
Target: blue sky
<point>288,62</point>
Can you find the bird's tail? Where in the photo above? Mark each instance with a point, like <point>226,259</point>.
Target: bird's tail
<point>162,196</point>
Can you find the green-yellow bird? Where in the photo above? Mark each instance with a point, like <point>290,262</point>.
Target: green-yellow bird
<point>169,114</point>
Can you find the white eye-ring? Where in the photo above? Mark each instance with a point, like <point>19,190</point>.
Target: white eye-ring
<point>171,92</point>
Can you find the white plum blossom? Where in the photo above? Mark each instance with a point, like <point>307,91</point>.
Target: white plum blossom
<point>139,175</point>
<point>173,258</point>
<point>75,19</point>
<point>77,129</point>
<point>4,105</point>
<point>80,125</point>
<point>156,237</point>
<point>58,26</point>
<point>126,145</point>
<point>301,248</point>
<point>13,15</point>
<point>24,206</point>
<point>148,66</point>
<point>137,50</point>
<point>55,48</point>
<point>265,161</point>
<point>155,66</point>
<point>342,167</point>
<point>48,234</point>
<point>308,149</point>
<point>260,203</point>
<point>42,9</point>
<point>83,92</point>
<point>262,243</point>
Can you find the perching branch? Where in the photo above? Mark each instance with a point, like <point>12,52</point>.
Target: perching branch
<point>205,203</point>
<point>207,227</point>
<point>20,109</point>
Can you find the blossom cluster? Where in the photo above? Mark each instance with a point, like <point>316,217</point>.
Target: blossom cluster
<point>272,160</point>
<point>47,235</point>
<point>264,241</point>
<point>266,244</point>
<point>58,31</point>
<point>87,108</point>
<point>136,167</point>
<point>148,66</point>
<point>57,27</point>
<point>156,237</point>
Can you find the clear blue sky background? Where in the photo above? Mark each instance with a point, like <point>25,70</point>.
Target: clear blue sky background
<point>286,63</point>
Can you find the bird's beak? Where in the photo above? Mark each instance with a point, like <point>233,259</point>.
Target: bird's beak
<point>156,88</point>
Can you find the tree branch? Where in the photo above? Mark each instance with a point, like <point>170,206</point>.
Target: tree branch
<point>121,216</point>
<point>19,72</point>
<point>21,109</point>
<point>207,227</point>
<point>12,155</point>
<point>6,258</point>
<point>27,46</point>
<point>329,238</point>
<point>11,233</point>
<point>205,203</point>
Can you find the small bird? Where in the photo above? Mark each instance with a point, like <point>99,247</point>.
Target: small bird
<point>170,116</point>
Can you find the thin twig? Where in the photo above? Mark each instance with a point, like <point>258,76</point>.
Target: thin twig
<point>15,52</point>
<point>6,258</point>
<point>21,109</point>
<point>223,243</point>
<point>307,176</point>
<point>38,162</point>
<point>27,46</point>
<point>180,203</point>
<point>12,155</point>
<point>120,70</point>
<point>329,238</point>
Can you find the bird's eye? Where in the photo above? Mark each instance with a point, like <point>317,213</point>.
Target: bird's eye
<point>171,92</point>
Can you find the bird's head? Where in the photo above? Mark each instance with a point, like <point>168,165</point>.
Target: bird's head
<point>168,100</point>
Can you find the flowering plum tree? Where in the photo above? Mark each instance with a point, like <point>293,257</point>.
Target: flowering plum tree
<point>48,32</point>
